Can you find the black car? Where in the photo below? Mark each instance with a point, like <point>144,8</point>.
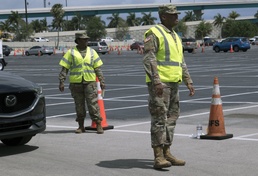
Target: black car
<point>137,46</point>
<point>208,42</point>
<point>22,109</point>
<point>6,50</point>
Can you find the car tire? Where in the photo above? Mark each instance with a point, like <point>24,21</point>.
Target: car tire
<point>1,65</point>
<point>236,48</point>
<point>190,51</point>
<point>17,141</point>
<point>27,53</point>
<point>216,49</point>
<point>7,54</point>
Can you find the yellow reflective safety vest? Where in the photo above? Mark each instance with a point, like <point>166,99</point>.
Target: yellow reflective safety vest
<point>81,68</point>
<point>169,55</point>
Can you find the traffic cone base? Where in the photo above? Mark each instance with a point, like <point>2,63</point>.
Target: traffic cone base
<point>216,126</point>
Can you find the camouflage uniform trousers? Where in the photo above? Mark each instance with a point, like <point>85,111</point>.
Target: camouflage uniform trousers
<point>85,92</point>
<point>164,113</point>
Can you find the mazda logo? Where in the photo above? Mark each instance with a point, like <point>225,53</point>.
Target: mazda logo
<point>10,100</point>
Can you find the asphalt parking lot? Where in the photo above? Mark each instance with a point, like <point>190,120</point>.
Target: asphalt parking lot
<point>125,150</point>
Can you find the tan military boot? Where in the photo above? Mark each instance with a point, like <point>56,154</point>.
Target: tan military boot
<point>99,128</point>
<point>81,128</point>
<point>159,161</point>
<point>173,160</point>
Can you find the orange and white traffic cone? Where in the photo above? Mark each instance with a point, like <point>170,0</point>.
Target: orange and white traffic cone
<point>202,48</point>
<point>14,53</point>
<point>216,126</point>
<point>231,49</point>
<point>104,123</point>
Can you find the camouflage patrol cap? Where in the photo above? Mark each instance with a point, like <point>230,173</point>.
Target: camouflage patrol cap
<point>81,35</point>
<point>170,9</point>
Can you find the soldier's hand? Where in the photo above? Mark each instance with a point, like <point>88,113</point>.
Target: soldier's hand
<point>159,89</point>
<point>61,86</point>
<point>102,86</point>
<point>191,89</point>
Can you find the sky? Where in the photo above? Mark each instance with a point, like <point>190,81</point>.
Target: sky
<point>208,14</point>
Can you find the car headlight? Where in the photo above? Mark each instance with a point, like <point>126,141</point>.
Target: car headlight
<point>39,90</point>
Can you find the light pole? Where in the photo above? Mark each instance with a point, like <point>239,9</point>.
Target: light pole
<point>26,14</point>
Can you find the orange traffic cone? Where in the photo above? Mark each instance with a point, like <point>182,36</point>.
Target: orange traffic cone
<point>202,48</point>
<point>104,124</point>
<point>39,54</point>
<point>216,127</point>
<point>14,53</point>
<point>231,49</point>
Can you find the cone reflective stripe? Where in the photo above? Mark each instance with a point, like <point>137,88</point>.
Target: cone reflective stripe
<point>216,127</point>
<point>104,123</point>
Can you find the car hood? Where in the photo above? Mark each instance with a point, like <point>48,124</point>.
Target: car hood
<point>10,82</point>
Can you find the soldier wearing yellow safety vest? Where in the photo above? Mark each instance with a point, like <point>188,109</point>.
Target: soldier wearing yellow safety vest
<point>84,65</point>
<point>165,69</point>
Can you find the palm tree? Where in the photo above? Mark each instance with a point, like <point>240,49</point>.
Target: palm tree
<point>203,29</point>
<point>147,19</point>
<point>114,20</point>
<point>218,21</point>
<point>190,16</point>
<point>233,15</point>
<point>132,20</point>
<point>58,14</point>
<point>256,14</point>
<point>6,26</point>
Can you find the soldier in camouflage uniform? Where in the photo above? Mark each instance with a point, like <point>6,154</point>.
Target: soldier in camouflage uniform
<point>165,68</point>
<point>84,65</point>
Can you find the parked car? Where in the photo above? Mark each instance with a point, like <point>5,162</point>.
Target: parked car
<point>189,44</point>
<point>99,47</point>
<point>39,50</point>
<point>107,39</point>
<point>22,109</point>
<point>6,50</point>
<point>208,42</point>
<point>237,43</point>
<point>255,42</point>
<point>40,39</point>
<point>137,45</point>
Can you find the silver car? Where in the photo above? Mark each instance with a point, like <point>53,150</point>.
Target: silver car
<point>39,50</point>
<point>99,47</point>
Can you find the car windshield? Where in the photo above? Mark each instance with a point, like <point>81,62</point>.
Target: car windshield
<point>103,43</point>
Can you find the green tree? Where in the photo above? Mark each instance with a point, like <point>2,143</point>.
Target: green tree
<point>256,14</point>
<point>233,15</point>
<point>121,30</point>
<point>114,20</point>
<point>203,29</point>
<point>6,26</point>
<point>147,19</point>
<point>181,27</point>
<point>132,20</point>
<point>189,16</point>
<point>233,28</point>
<point>58,15</point>
<point>95,28</point>
<point>218,21</point>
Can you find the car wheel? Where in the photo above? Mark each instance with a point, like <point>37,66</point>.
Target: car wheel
<point>27,53</point>
<point>17,141</point>
<point>1,65</point>
<point>236,48</point>
<point>190,51</point>
<point>244,50</point>
<point>216,49</point>
<point>103,53</point>
<point>7,54</point>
